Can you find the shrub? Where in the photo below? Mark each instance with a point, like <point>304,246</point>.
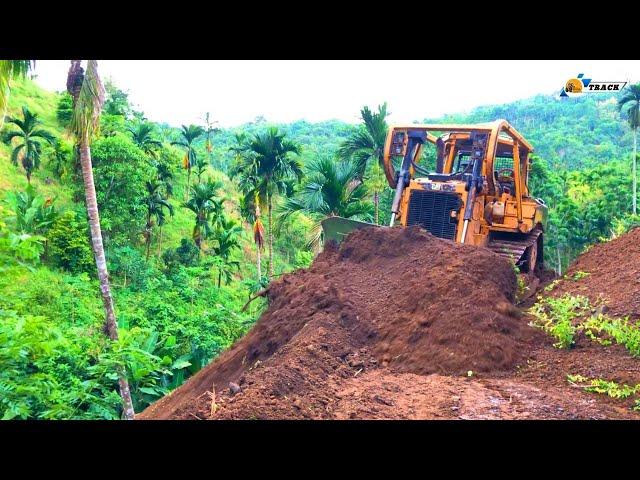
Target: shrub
<point>68,244</point>
<point>556,316</point>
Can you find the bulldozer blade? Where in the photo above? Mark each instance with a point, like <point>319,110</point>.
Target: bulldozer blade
<point>337,228</point>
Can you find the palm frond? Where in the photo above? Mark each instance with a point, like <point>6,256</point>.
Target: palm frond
<point>10,69</point>
<point>89,102</point>
<point>15,154</point>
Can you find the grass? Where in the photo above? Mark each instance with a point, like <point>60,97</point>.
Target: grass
<point>26,92</point>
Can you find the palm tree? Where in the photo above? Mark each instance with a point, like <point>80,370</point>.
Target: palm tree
<point>142,135</point>
<point>155,211</point>
<point>252,202</point>
<point>629,103</point>
<point>367,142</point>
<point>226,234</point>
<point>201,167</point>
<point>165,176</point>
<point>29,134</point>
<point>10,69</point>
<point>205,203</point>
<point>188,137</point>
<point>88,97</point>
<point>265,161</point>
<point>209,131</point>
<point>330,190</point>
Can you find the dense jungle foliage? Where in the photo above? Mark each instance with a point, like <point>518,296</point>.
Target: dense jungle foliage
<point>189,215</point>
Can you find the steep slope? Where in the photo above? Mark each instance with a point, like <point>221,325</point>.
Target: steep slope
<point>608,273</point>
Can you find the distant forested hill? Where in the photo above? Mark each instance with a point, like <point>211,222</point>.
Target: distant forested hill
<point>568,133</point>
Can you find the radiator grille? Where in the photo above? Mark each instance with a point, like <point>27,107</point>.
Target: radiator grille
<point>432,211</point>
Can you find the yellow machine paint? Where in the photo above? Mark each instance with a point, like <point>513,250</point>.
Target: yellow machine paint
<point>502,215</point>
<point>478,195</point>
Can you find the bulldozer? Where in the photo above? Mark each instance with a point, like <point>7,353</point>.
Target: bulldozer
<point>477,195</point>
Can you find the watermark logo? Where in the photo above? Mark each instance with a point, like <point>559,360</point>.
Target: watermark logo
<point>575,87</point>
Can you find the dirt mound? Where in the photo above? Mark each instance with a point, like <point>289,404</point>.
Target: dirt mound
<point>392,300</point>
<point>609,273</point>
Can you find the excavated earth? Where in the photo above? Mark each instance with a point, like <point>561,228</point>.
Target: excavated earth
<point>608,273</point>
<point>398,324</point>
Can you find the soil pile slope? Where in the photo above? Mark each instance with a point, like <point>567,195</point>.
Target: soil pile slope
<point>608,273</point>
<point>396,300</point>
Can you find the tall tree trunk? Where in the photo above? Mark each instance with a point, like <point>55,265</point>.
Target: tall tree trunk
<point>559,261</point>
<point>148,245</point>
<point>270,207</point>
<point>148,237</point>
<point>101,264</point>
<point>258,245</point>
<point>259,264</point>
<point>635,180</point>
<point>376,202</point>
<point>186,193</point>
<point>219,277</point>
<point>159,240</point>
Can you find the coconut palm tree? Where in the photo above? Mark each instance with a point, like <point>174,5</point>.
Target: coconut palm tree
<point>329,190</point>
<point>10,69</point>
<point>367,142</point>
<point>188,137</point>
<point>88,97</point>
<point>156,206</point>
<point>29,134</point>
<point>208,208</point>
<point>629,103</point>
<point>265,161</point>
<point>142,135</point>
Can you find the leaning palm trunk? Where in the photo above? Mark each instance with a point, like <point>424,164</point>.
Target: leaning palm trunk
<point>88,97</point>
<point>101,264</point>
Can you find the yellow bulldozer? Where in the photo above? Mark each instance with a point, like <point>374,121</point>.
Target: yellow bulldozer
<point>478,194</point>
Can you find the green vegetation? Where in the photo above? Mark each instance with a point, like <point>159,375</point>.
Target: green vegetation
<point>579,275</point>
<point>184,253</point>
<point>606,387</point>
<point>581,166</point>
<point>556,316</point>
<point>564,317</point>
<point>28,149</point>
<point>629,103</point>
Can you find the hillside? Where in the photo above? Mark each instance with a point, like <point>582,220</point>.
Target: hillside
<point>567,133</point>
<point>438,345</point>
<point>180,286</point>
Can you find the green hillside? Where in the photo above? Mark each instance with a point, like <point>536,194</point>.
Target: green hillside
<point>566,132</point>
<point>181,306</point>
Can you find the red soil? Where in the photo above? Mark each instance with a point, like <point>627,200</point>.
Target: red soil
<point>613,275</point>
<point>387,326</point>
